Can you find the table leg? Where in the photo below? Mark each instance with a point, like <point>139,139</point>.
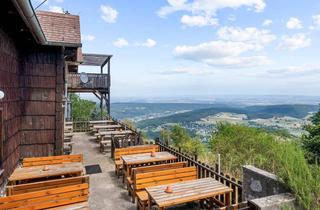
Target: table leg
<point>227,199</point>
<point>149,202</point>
<point>124,171</point>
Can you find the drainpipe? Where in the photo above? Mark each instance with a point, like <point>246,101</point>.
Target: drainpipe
<point>28,15</point>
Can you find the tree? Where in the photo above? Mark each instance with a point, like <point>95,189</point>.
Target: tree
<point>165,135</point>
<point>81,109</point>
<point>311,141</point>
<point>179,136</point>
<point>96,114</point>
<point>181,139</point>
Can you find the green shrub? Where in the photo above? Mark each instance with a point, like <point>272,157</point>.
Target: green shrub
<point>240,145</point>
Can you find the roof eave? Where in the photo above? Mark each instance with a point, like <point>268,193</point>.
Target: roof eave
<point>27,13</point>
<point>64,44</point>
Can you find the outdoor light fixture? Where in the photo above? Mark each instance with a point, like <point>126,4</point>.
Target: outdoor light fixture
<point>1,94</point>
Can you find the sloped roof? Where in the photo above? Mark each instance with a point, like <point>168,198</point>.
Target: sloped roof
<point>95,59</point>
<point>59,28</point>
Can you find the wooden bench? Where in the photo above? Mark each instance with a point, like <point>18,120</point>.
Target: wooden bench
<point>131,151</point>
<point>147,169</point>
<point>50,160</point>
<point>150,179</point>
<point>57,198</point>
<point>45,185</point>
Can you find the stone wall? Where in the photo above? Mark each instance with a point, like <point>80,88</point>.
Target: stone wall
<point>258,183</point>
<point>263,191</point>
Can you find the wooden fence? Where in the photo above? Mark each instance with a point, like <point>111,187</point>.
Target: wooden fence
<point>81,126</point>
<point>205,170</point>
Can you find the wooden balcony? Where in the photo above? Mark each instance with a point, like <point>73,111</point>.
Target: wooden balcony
<point>99,82</point>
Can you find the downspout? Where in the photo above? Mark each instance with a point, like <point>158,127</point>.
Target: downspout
<point>28,15</point>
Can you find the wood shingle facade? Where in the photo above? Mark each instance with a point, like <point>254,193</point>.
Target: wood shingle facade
<point>33,80</point>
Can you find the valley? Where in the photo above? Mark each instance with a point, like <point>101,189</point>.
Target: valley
<point>201,119</point>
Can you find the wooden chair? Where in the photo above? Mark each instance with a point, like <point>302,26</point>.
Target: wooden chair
<point>57,198</point>
<point>45,185</point>
<point>144,180</point>
<point>131,151</point>
<point>147,169</point>
<point>51,160</point>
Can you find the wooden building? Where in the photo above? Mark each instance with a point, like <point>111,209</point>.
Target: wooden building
<point>36,52</point>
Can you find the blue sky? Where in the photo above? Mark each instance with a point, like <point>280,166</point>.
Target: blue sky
<point>172,48</point>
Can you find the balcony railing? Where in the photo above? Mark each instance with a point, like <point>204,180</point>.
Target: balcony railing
<point>95,81</point>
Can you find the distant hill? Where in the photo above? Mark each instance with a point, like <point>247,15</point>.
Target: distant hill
<point>253,112</point>
<point>132,110</point>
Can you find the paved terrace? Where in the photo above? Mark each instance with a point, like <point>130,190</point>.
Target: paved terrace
<point>106,190</point>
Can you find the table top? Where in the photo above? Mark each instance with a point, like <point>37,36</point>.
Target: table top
<point>115,132</point>
<point>100,121</point>
<point>146,158</point>
<point>187,191</point>
<point>34,172</point>
<point>106,126</point>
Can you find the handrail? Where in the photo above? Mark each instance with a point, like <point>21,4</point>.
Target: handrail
<point>95,81</point>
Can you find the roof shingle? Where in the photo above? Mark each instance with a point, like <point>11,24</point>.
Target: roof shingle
<point>59,27</point>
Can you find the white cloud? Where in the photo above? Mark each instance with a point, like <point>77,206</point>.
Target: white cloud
<point>121,42</point>
<point>292,71</point>
<point>187,71</point>
<point>267,22</point>
<point>240,62</point>
<point>208,6</point>
<point>316,19</point>
<point>88,37</point>
<point>251,35</point>
<point>55,9</point>
<point>198,20</point>
<point>222,53</point>
<point>177,3</point>
<point>294,42</point>
<point>149,43</point>
<point>294,23</point>
<point>109,14</point>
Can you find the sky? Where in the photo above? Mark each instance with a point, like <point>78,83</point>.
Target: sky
<point>173,48</point>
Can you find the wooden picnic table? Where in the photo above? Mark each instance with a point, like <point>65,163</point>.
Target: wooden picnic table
<point>101,122</point>
<point>129,161</point>
<point>187,191</point>
<point>27,174</point>
<point>107,126</point>
<point>105,133</point>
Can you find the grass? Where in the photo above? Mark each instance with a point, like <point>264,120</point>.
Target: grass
<point>240,145</point>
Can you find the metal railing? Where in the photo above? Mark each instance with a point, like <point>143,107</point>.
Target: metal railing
<point>205,170</point>
<point>95,81</point>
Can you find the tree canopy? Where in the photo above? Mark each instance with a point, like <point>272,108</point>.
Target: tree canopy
<point>83,109</point>
<point>311,140</point>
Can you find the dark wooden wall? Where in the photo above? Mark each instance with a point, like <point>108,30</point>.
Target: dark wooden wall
<point>33,81</point>
<point>11,104</point>
<point>42,85</point>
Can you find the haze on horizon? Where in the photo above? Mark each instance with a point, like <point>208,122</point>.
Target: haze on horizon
<point>204,48</point>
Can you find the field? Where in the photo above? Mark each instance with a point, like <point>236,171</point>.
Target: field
<point>201,119</point>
